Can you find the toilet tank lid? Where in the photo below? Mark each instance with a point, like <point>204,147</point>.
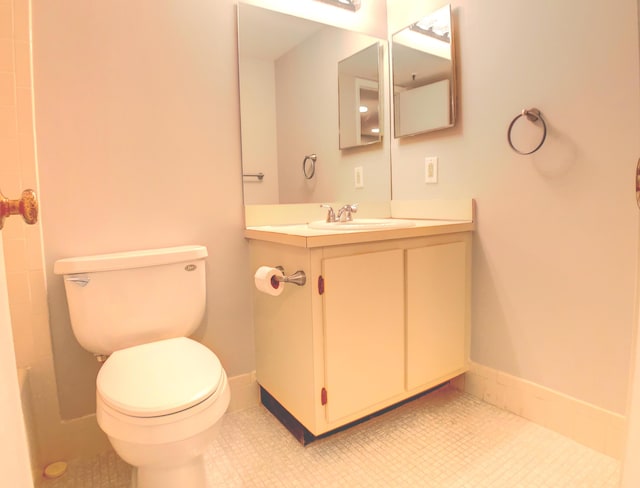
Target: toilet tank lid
<point>159,378</point>
<point>129,259</point>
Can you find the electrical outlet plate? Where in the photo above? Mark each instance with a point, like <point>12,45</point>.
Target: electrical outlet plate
<point>431,169</point>
<point>358,177</point>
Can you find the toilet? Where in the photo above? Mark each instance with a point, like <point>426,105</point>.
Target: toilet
<point>159,394</point>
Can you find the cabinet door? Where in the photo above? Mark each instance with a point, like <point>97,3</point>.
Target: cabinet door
<point>364,330</point>
<point>437,304</point>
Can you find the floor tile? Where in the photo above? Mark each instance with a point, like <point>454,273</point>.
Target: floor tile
<point>446,439</point>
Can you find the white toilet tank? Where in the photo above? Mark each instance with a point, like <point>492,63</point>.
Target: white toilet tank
<point>125,299</point>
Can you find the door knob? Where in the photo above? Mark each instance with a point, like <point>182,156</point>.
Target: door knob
<point>27,206</point>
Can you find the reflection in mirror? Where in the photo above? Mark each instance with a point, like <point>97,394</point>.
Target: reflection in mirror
<point>360,98</point>
<point>288,72</point>
<point>424,75</point>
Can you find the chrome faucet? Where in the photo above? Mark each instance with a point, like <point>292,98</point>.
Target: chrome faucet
<point>344,214</point>
<point>331,215</point>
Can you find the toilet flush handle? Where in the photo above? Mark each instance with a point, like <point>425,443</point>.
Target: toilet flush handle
<point>80,280</point>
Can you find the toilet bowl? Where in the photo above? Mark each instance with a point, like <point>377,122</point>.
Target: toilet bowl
<point>159,404</point>
<point>159,395</point>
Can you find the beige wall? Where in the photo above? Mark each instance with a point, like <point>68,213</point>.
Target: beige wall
<point>555,252</point>
<point>138,145</point>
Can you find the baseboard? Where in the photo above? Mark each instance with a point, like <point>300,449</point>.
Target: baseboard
<point>585,423</point>
<point>245,392</point>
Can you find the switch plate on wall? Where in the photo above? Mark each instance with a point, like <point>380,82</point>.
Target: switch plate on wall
<point>358,177</point>
<point>431,169</point>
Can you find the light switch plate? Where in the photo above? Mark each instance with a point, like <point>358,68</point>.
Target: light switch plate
<point>358,177</point>
<point>431,169</point>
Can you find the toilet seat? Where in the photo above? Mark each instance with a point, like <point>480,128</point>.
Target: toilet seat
<point>159,378</point>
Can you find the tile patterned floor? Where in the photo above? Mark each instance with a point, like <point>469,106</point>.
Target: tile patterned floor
<point>447,439</point>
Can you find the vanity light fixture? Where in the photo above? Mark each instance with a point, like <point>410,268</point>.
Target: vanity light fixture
<point>434,26</point>
<point>348,4</point>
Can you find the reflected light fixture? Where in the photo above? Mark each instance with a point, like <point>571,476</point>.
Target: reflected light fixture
<point>348,4</point>
<point>436,26</point>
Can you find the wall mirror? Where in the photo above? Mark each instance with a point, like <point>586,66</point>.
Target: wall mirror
<point>423,71</point>
<point>288,79</point>
<point>360,98</point>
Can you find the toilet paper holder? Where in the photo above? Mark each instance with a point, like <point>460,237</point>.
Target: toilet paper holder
<point>298,278</point>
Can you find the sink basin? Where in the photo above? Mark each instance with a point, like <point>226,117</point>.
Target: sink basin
<point>362,224</point>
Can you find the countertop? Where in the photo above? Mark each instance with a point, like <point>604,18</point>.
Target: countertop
<point>301,235</point>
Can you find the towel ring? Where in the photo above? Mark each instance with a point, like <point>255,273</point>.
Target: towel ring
<point>532,114</point>
<point>309,169</point>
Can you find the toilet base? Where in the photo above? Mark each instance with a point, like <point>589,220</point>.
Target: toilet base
<point>166,451</point>
<point>192,475</point>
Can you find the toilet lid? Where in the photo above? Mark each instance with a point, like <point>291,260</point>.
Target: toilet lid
<point>159,378</point>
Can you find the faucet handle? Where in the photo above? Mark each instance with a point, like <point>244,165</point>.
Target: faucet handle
<point>331,216</point>
<point>344,214</point>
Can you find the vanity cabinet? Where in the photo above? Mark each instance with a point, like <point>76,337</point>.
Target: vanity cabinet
<point>375,324</point>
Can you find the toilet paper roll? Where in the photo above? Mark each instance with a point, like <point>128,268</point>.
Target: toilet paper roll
<point>266,282</point>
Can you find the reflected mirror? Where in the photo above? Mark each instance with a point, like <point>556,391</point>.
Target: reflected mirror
<point>288,78</point>
<point>360,98</point>
<point>424,82</point>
